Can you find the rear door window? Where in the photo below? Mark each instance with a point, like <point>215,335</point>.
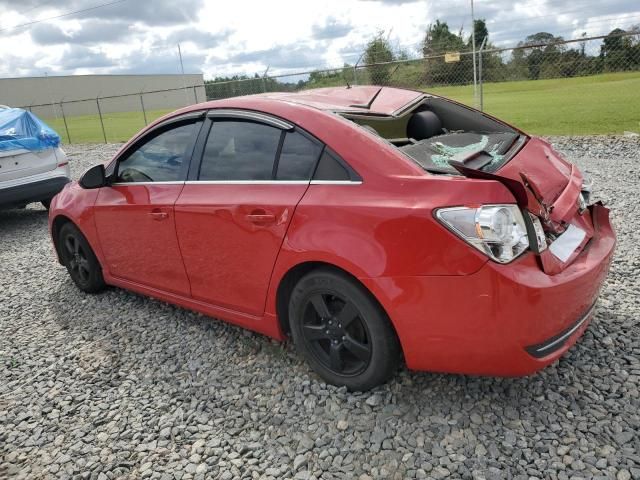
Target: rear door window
<point>240,150</point>
<point>330,168</point>
<point>298,157</point>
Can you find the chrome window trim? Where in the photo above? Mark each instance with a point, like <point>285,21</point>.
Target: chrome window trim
<point>243,182</point>
<point>124,184</point>
<point>336,182</point>
<point>247,182</point>
<point>266,182</point>
<point>248,115</point>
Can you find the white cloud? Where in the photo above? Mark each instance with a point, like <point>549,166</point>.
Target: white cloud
<point>247,36</point>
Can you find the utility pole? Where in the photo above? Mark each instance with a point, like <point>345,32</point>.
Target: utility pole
<point>473,47</point>
<point>184,84</point>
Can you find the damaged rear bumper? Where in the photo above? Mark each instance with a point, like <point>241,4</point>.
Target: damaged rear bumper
<point>488,322</point>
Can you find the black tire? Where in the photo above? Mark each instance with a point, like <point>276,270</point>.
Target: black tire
<point>78,257</point>
<point>341,331</point>
<point>46,203</point>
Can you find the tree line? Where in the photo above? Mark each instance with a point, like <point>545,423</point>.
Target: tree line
<point>537,56</point>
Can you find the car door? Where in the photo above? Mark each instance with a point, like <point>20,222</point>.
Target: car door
<point>134,215</point>
<point>234,211</point>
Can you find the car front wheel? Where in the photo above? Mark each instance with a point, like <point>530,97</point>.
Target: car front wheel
<point>341,331</point>
<point>78,257</point>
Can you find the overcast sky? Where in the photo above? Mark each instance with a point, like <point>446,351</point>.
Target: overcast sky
<point>240,36</point>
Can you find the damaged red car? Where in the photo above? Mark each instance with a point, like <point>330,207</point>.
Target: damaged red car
<point>370,224</point>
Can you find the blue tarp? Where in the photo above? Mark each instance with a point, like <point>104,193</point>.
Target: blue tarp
<point>20,129</point>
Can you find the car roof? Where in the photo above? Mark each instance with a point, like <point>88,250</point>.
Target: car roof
<point>371,100</point>
<point>358,99</point>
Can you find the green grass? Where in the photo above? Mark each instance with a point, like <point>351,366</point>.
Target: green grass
<point>598,104</point>
<point>119,126</point>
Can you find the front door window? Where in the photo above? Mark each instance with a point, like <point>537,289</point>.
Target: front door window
<point>160,159</point>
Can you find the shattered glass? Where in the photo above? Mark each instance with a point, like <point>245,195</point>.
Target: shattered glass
<point>438,151</point>
<point>447,152</point>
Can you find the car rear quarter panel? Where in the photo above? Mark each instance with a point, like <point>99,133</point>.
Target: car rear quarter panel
<point>373,232</point>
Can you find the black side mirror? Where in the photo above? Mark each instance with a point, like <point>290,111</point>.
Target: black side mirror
<point>94,177</point>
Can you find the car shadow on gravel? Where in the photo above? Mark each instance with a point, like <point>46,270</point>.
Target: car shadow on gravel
<point>188,356</point>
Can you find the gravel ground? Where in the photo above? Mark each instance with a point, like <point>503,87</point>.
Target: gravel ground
<point>119,386</point>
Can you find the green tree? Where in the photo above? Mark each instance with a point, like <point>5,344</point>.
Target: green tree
<point>379,51</point>
<point>439,40</point>
<point>619,52</point>
<point>492,66</point>
<point>480,32</point>
<point>540,54</point>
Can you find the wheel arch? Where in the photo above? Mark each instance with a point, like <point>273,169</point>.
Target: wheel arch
<point>296,272</point>
<point>56,225</point>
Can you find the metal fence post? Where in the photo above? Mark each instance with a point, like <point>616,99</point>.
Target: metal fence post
<point>104,134</point>
<point>355,68</point>
<point>484,41</point>
<point>144,112</point>
<point>195,93</point>
<point>64,119</point>
<point>264,79</point>
<point>480,80</point>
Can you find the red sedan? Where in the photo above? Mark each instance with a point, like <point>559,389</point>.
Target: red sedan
<point>367,223</point>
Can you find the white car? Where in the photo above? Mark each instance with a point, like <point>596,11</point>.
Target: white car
<point>33,167</point>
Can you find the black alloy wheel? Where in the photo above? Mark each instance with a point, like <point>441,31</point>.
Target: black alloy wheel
<point>332,326</point>
<point>78,257</point>
<point>342,331</point>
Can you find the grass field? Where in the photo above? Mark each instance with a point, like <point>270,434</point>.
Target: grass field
<point>598,104</point>
<point>119,126</point>
<point>607,103</point>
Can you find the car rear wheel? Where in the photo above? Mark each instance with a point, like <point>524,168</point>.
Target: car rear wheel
<point>81,262</point>
<point>341,331</point>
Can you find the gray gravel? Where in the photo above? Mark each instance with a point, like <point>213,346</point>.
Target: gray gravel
<point>119,386</point>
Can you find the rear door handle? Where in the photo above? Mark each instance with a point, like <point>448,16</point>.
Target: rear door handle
<point>261,216</point>
<point>158,214</point>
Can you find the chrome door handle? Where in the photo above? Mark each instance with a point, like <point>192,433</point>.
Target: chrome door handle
<point>260,216</point>
<point>159,215</point>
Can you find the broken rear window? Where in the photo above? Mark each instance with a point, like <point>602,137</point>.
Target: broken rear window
<point>481,151</point>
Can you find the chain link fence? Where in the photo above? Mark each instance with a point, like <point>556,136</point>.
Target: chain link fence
<point>450,73</point>
<point>564,59</point>
<point>113,118</point>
